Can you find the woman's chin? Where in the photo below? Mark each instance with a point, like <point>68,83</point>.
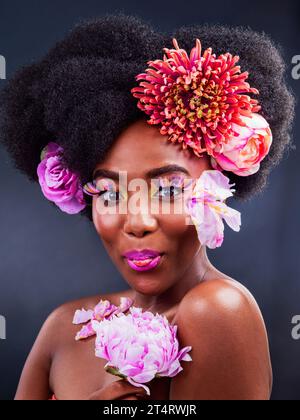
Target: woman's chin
<point>148,285</point>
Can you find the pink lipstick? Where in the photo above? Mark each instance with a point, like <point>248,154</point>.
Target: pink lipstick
<point>143,260</point>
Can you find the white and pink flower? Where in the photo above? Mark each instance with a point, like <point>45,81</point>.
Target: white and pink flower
<point>207,209</point>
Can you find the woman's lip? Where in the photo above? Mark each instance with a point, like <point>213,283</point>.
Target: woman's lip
<point>135,254</point>
<point>145,264</point>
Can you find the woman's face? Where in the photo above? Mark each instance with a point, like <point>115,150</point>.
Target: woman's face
<point>137,151</point>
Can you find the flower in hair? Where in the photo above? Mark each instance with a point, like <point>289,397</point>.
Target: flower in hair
<point>201,101</point>
<point>58,183</point>
<point>243,153</point>
<point>207,208</point>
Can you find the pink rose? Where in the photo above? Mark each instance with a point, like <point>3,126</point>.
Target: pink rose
<point>57,182</point>
<point>243,153</point>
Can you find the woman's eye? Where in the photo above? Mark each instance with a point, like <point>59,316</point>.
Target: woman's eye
<point>110,197</point>
<point>170,191</point>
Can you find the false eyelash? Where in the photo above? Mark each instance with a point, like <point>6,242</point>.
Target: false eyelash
<point>90,188</point>
<point>175,181</point>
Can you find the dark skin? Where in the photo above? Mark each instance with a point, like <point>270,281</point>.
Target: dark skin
<point>215,314</point>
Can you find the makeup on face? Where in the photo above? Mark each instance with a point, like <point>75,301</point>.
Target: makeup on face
<point>143,260</point>
<point>167,184</point>
<point>165,187</point>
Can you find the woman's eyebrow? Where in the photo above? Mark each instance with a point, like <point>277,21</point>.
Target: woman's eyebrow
<point>166,169</point>
<point>106,173</point>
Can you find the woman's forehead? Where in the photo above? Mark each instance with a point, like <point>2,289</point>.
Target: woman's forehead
<point>141,148</point>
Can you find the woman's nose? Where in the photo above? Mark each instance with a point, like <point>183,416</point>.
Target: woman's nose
<point>139,221</point>
<point>140,224</point>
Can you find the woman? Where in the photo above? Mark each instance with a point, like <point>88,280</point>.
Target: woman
<point>72,120</point>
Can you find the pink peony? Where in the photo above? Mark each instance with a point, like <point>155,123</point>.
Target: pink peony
<point>242,153</point>
<point>104,309</point>
<point>139,346</point>
<point>57,182</point>
<point>207,208</point>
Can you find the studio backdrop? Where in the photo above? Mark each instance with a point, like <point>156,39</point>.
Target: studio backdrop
<point>48,257</point>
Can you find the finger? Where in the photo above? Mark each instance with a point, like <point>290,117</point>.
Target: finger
<point>131,397</point>
<point>116,390</point>
<point>122,388</point>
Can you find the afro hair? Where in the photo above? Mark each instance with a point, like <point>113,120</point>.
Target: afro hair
<point>78,95</point>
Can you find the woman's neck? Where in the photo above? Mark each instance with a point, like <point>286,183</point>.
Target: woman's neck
<point>195,274</point>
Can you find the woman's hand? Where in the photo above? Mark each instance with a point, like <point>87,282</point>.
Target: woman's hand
<point>118,390</point>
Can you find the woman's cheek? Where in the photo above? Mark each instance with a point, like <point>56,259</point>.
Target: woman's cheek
<point>175,225</point>
<point>178,227</point>
<point>107,225</point>
<point>174,217</point>
<point>183,240</point>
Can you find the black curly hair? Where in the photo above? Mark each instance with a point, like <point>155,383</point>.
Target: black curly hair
<point>79,95</point>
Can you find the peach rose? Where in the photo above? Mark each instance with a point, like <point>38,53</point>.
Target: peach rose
<point>243,153</point>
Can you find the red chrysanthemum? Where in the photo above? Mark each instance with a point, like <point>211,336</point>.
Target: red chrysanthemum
<point>195,99</point>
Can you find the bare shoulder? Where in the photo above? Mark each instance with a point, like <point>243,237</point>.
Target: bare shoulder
<point>225,296</point>
<point>64,313</point>
<point>221,320</point>
<point>57,332</point>
<point>227,307</point>
<point>58,325</point>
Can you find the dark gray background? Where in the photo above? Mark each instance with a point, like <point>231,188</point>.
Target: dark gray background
<point>48,257</point>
